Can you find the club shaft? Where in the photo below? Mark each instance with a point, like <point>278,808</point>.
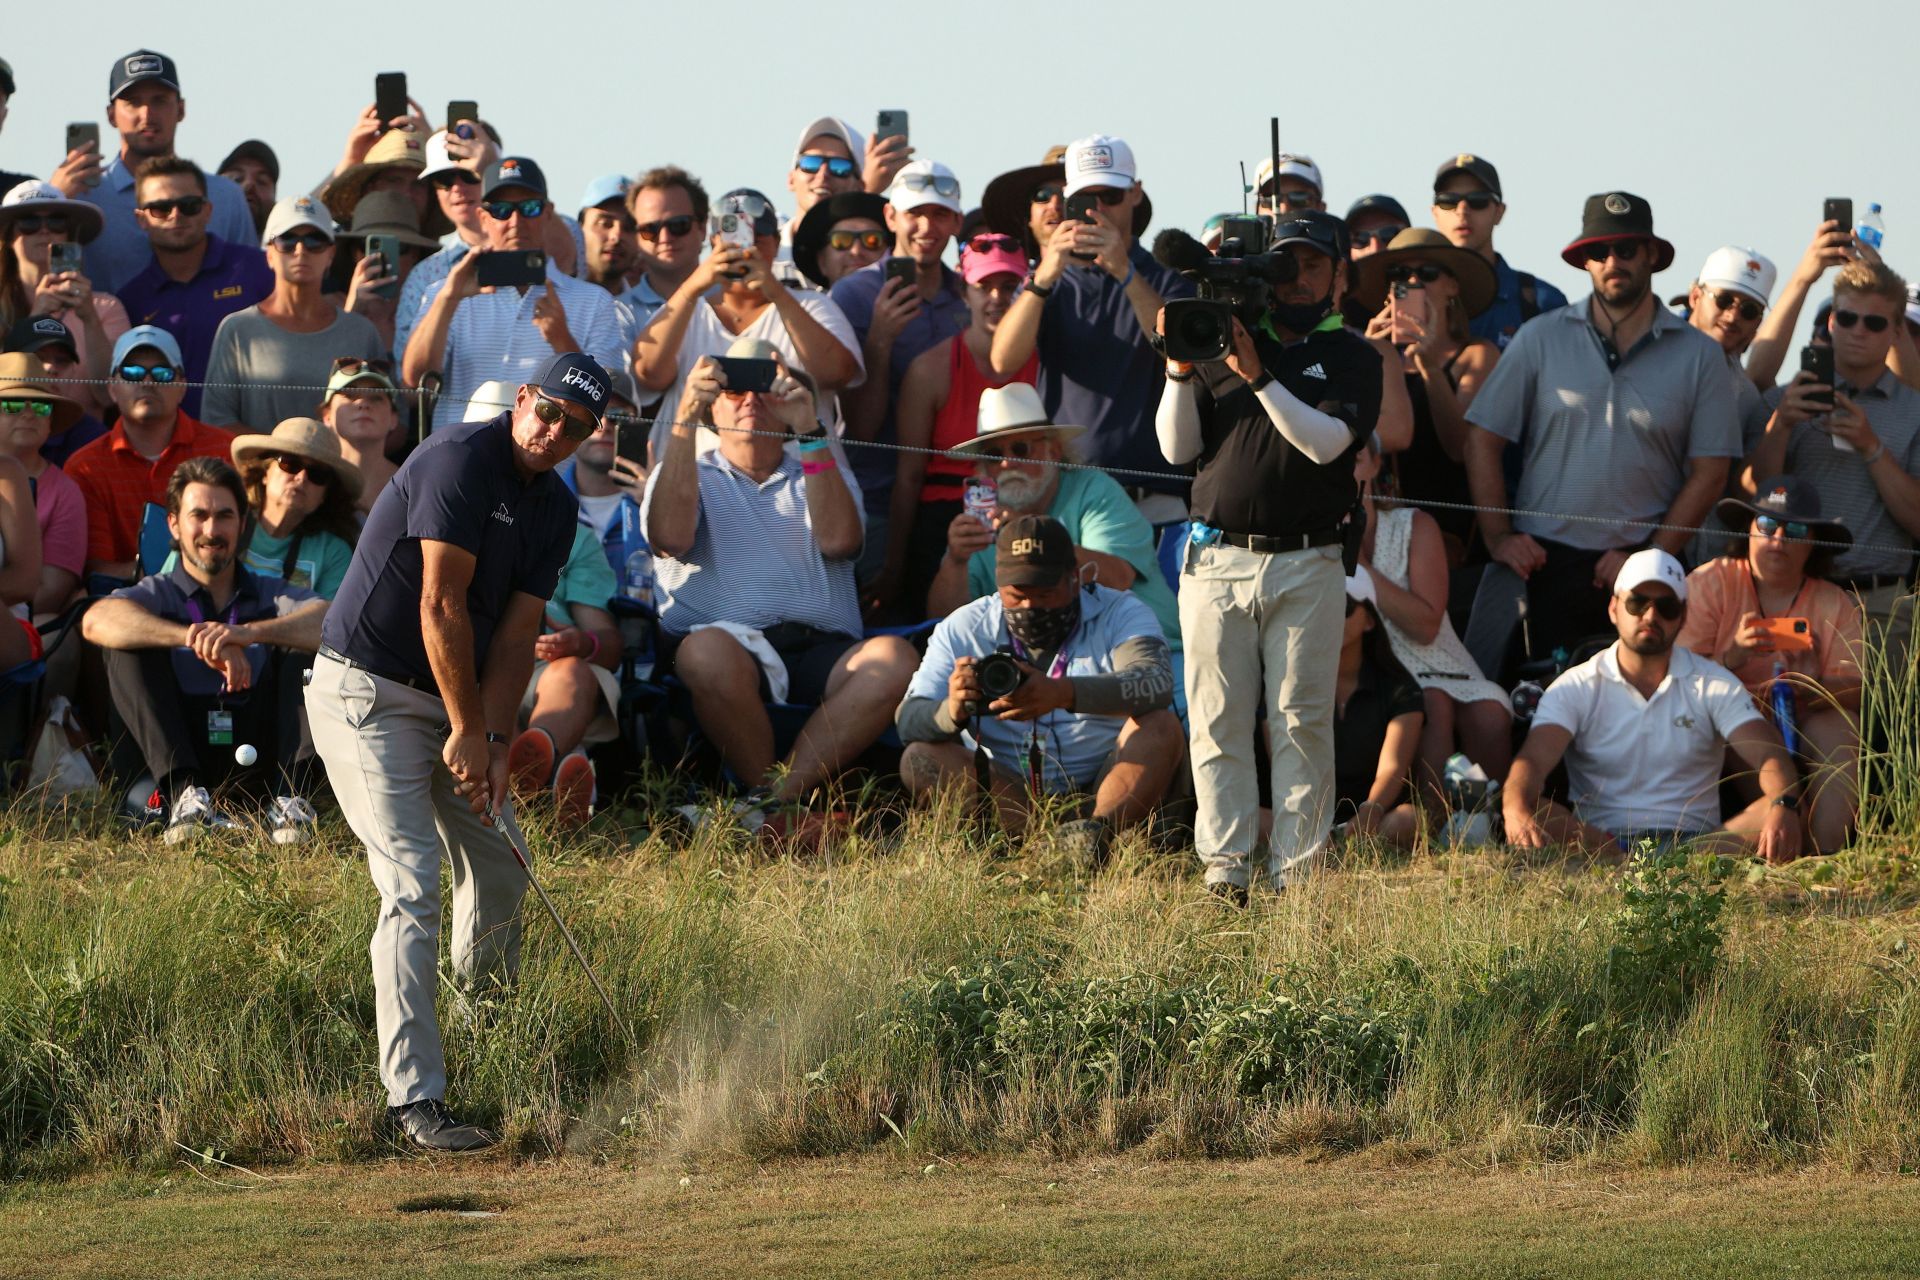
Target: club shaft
<point>526,865</point>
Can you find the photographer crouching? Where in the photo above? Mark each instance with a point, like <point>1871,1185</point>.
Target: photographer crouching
<point>1067,692</point>
<point>1271,397</point>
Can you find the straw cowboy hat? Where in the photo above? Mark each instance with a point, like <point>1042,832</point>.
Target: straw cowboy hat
<point>1013,411</point>
<point>22,376</point>
<point>1478,287</point>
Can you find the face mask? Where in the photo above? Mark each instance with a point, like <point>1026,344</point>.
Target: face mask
<point>1301,317</point>
<point>1044,630</point>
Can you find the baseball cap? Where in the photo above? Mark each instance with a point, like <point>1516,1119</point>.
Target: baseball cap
<point>36,333</point>
<point>925,182</point>
<point>300,211</point>
<point>1099,161</point>
<point>750,203</point>
<point>1317,229</point>
<point>353,374</point>
<point>1482,171</point>
<point>1032,551</point>
<point>832,127</point>
<point>139,66</point>
<point>257,151</point>
<point>6,78</point>
<point>610,186</point>
<point>148,335</point>
<point>1651,565</point>
<point>1741,270</point>
<point>1291,166</point>
<point>576,377</point>
<point>513,171</point>
<point>997,261</point>
<point>1378,204</point>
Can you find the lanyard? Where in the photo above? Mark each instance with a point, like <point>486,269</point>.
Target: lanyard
<point>1035,757</point>
<point>233,610</point>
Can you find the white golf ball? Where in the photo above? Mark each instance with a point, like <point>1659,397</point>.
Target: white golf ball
<point>244,754</point>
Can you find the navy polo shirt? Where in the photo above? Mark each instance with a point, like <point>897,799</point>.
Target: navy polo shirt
<point>176,595</point>
<point>1097,370</point>
<point>232,277</point>
<point>458,487</point>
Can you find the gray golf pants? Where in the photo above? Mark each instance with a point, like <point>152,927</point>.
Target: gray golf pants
<point>381,742</point>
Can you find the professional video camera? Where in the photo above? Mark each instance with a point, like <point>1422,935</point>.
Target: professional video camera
<point>1237,281</point>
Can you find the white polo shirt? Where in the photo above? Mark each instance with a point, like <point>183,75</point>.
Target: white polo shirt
<point>1647,764</point>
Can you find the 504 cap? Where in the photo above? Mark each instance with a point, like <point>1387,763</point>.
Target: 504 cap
<point>1033,551</point>
<point>140,66</point>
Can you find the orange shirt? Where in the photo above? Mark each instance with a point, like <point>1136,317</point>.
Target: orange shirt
<point>1719,591</point>
<point>119,482</point>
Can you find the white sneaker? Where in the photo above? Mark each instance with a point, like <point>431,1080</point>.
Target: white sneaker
<point>292,820</point>
<point>745,812</point>
<point>193,813</point>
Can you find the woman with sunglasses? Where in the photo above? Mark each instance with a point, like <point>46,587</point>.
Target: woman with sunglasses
<point>840,235</point>
<point>31,410</point>
<point>272,359</point>
<point>1768,612</point>
<point>300,495</point>
<point>1423,292</point>
<point>939,409</point>
<point>34,216</point>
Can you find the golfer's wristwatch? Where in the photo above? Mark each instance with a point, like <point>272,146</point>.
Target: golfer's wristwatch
<point>1788,801</point>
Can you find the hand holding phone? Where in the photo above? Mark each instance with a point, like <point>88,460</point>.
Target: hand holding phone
<point>64,255</point>
<point>1790,635</point>
<point>390,97</point>
<point>511,268</point>
<point>387,250</point>
<point>1817,361</point>
<point>743,373</point>
<point>1409,312</point>
<point>463,115</point>
<point>905,270</point>
<point>82,135</point>
<point>889,124</point>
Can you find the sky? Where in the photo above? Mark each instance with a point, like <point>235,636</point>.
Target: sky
<point>1734,120</point>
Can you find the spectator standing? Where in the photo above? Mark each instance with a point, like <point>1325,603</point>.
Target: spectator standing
<point>1467,206</point>
<point>1372,223</point>
<point>48,339</point>
<point>1294,187</point>
<point>609,231</point>
<point>453,169</point>
<point>34,216</point>
<point>268,361</point>
<point>1727,302</point>
<point>254,168</point>
<point>30,410</point>
<point>669,209</point>
<point>840,235</point>
<point>387,214</point>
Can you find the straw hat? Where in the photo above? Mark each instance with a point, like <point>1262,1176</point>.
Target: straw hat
<point>1013,411</point>
<point>1478,287</point>
<point>23,375</point>
<point>304,438</point>
<point>403,148</point>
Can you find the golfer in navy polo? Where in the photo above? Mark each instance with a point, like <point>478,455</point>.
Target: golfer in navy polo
<point>415,688</point>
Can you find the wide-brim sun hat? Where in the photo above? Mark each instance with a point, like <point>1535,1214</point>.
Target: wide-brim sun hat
<point>1008,202</point>
<point>22,376</point>
<point>1790,500</point>
<point>306,438</point>
<point>42,198</point>
<point>388,213</point>
<point>1013,412</point>
<point>1478,285</point>
<point>810,233</point>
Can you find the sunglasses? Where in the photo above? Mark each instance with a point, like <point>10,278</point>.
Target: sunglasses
<point>1618,250</point>
<point>1408,272</point>
<point>453,176</point>
<point>554,414</point>
<point>1770,525</point>
<point>311,241</point>
<point>1107,196</point>
<point>750,206</point>
<point>836,166</point>
<point>845,240</point>
<point>1848,319</point>
<point>358,364</point>
<point>1379,235</point>
<point>293,465</point>
<point>1015,450</point>
<point>1047,193</point>
<point>1307,229</point>
<point>938,183</point>
<point>185,206</point>
<point>160,373</point>
<point>993,243</point>
<point>38,408</point>
<point>675,227</point>
<point>1290,199</point>
<point>1749,309</point>
<point>1474,200</point>
<point>27,224</point>
<point>501,210</point>
<point>1668,607</point>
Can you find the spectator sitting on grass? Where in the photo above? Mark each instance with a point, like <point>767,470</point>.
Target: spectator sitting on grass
<point>29,409</point>
<point>1378,717</point>
<point>301,494</point>
<point>1644,728</point>
<point>1782,576</point>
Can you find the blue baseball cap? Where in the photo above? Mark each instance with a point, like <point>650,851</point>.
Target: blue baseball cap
<point>148,335</point>
<point>611,186</point>
<point>579,378</point>
<point>513,171</point>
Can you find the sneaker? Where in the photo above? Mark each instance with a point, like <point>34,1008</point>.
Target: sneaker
<point>1088,842</point>
<point>749,811</point>
<point>573,791</point>
<point>193,813</point>
<point>292,820</point>
<point>145,804</point>
<point>1234,895</point>
<point>530,763</point>
<point>428,1124</point>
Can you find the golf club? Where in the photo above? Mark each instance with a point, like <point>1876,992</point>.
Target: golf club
<point>507,826</point>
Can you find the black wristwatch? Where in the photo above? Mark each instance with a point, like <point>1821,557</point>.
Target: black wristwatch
<point>1260,383</point>
<point>1788,801</point>
<point>500,738</point>
<point>1037,289</point>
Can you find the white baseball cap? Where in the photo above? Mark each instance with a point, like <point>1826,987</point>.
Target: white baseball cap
<point>832,127</point>
<point>1291,166</point>
<point>1099,161</point>
<point>925,182</point>
<point>299,211</point>
<point>1742,270</point>
<point>1651,565</point>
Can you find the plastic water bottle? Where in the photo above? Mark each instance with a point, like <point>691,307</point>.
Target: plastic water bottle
<point>1873,228</point>
<point>1782,694</point>
<point>639,575</point>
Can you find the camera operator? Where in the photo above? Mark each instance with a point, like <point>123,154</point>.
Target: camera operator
<point>1273,430</point>
<point>1087,713</point>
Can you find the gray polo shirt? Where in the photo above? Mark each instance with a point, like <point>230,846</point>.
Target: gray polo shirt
<point>1847,490</point>
<point>1611,444</point>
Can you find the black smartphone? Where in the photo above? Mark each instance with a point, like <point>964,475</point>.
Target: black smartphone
<point>463,109</point>
<point>1838,209</point>
<point>387,249</point>
<point>744,374</point>
<point>630,441</point>
<point>512,267</point>
<point>905,270</point>
<point>80,133</point>
<point>63,255</point>
<point>1079,208</point>
<point>888,124</point>
<point>1818,361</point>
<point>390,96</point>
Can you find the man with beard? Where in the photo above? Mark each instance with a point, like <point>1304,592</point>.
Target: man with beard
<point>1644,728</point>
<point>1273,430</point>
<point>206,660</point>
<point>1624,415</point>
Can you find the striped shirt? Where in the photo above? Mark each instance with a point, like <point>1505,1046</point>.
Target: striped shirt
<point>1847,489</point>
<point>426,273</point>
<point>493,336</point>
<point>119,482</point>
<point>754,560</point>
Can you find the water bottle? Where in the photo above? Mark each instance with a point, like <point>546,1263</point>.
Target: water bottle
<point>1873,228</point>
<point>1782,694</point>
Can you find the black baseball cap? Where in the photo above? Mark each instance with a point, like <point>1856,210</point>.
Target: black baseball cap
<point>257,151</point>
<point>578,378</point>
<point>1318,230</point>
<point>1033,551</point>
<point>34,333</point>
<point>1378,204</point>
<point>1482,171</point>
<point>513,171</point>
<point>139,66</point>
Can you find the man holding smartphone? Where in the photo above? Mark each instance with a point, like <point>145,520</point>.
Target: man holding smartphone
<point>144,104</point>
<point>469,333</point>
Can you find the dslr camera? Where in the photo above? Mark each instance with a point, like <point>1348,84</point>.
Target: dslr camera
<point>999,675</point>
<point>1237,281</point>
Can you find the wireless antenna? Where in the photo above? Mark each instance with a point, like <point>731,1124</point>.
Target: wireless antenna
<point>1274,177</point>
<point>1244,188</point>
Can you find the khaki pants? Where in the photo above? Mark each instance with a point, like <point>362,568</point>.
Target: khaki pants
<point>381,742</point>
<point>1251,623</point>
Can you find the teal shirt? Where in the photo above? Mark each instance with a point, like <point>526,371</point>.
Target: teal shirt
<point>587,579</point>
<point>1100,517</point>
<point>320,565</point>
